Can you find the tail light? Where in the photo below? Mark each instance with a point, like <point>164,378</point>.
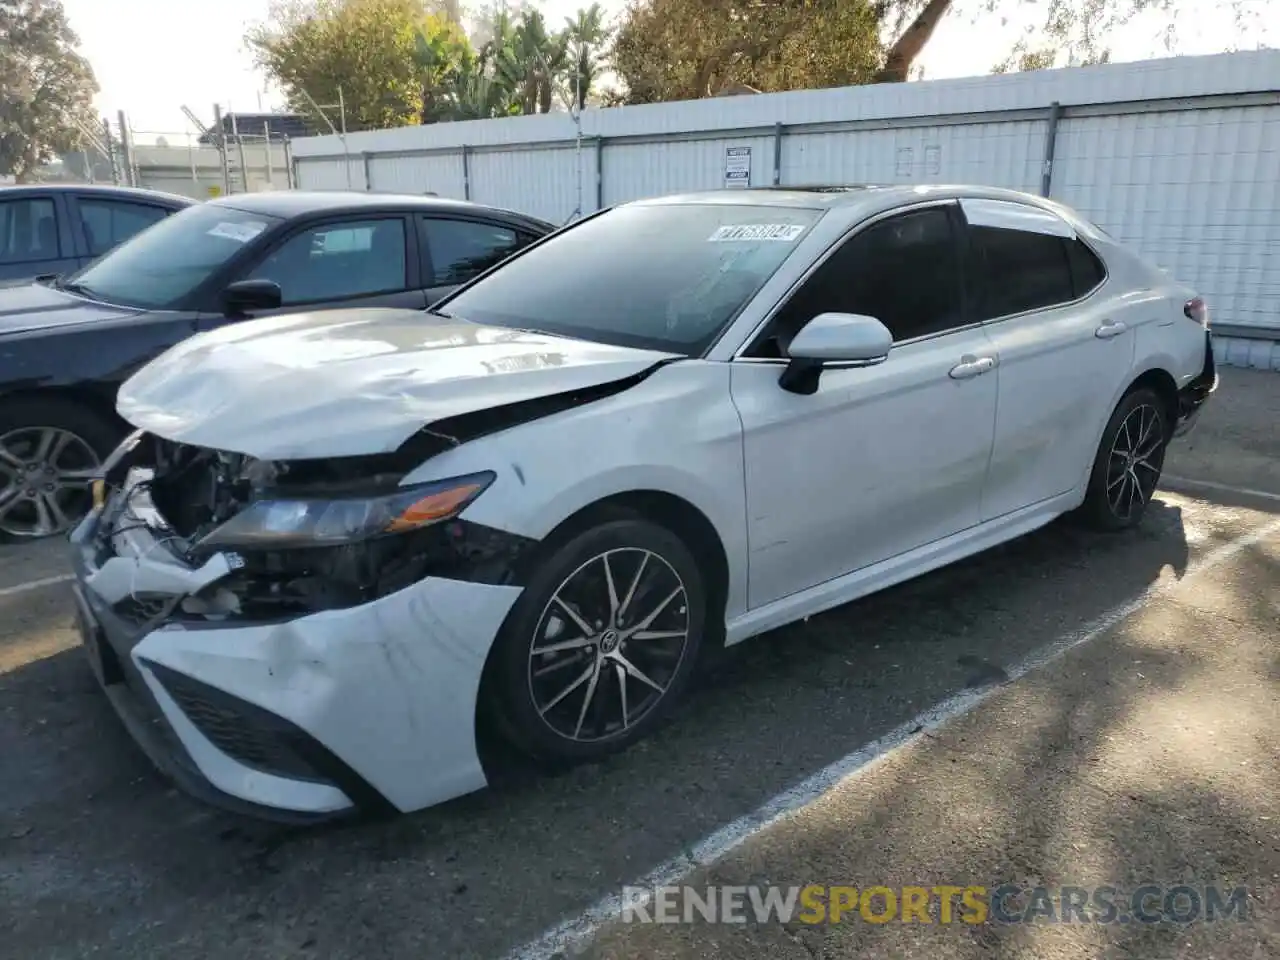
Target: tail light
<point>1196,309</point>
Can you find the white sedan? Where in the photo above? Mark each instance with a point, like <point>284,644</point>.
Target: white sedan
<point>338,542</point>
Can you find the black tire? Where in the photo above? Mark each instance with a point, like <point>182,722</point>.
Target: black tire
<point>516,696</point>
<point>1140,425</point>
<point>99,434</point>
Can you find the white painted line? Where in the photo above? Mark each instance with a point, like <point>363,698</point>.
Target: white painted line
<point>35,584</point>
<point>563,937</point>
<point>1188,485</point>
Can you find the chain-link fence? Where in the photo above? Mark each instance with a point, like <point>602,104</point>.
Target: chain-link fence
<point>236,155</point>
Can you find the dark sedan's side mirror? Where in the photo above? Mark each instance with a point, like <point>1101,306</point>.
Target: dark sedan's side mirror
<point>245,295</point>
<point>833,340</point>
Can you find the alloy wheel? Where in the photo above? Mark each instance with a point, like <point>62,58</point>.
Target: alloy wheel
<point>608,645</point>
<point>1137,455</point>
<point>45,477</point>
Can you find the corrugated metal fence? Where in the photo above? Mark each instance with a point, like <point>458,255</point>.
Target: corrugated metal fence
<point>1179,157</point>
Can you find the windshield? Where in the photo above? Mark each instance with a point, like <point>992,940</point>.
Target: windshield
<point>160,266</point>
<point>664,277</point>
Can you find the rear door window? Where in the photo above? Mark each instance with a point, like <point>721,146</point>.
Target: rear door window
<point>1024,258</point>
<point>1087,271</point>
<point>456,251</point>
<point>28,230</point>
<point>107,223</point>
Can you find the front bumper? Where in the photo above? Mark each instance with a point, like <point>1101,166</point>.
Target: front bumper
<point>362,710</point>
<point>1192,397</point>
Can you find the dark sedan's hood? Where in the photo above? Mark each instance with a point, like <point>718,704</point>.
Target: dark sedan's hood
<point>35,306</point>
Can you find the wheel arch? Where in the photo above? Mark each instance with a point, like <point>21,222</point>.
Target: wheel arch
<point>94,401</point>
<point>667,509</point>
<point>1161,381</point>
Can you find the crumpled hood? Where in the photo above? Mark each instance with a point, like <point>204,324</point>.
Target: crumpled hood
<point>35,306</point>
<point>352,382</point>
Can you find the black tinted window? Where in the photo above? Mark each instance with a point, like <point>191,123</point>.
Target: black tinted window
<point>903,271</point>
<point>661,276</point>
<point>28,231</point>
<point>458,250</point>
<point>1017,270</point>
<point>337,261</point>
<point>109,222</point>
<point>1086,269</point>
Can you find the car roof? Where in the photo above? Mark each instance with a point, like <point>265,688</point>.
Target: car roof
<point>828,196</point>
<point>287,204</point>
<point>105,190</point>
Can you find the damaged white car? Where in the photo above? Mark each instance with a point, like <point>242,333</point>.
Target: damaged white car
<point>338,543</point>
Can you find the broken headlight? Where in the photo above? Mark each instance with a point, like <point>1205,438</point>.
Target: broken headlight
<point>291,522</point>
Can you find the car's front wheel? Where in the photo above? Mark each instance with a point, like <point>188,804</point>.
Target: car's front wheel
<point>602,643</point>
<point>1129,461</point>
<point>50,449</point>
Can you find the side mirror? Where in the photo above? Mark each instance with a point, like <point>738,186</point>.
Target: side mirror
<point>245,295</point>
<point>839,340</point>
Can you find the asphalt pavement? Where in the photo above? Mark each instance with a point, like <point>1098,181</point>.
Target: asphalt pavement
<point>1148,750</point>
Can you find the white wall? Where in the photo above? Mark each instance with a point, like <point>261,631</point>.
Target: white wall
<point>1179,157</point>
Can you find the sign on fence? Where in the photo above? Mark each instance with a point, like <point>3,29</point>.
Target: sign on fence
<point>737,166</point>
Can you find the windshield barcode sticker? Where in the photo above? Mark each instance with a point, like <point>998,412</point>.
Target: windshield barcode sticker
<point>240,232</point>
<point>783,232</point>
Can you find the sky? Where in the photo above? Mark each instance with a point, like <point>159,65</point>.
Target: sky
<point>153,56</point>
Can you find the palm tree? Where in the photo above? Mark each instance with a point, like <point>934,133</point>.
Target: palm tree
<point>587,35</point>
<point>529,61</point>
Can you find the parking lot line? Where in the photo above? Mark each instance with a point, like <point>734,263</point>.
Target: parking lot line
<point>573,931</point>
<point>1192,486</point>
<point>35,584</point>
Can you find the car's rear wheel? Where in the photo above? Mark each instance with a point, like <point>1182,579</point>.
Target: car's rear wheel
<point>50,450</point>
<point>601,644</point>
<point>1130,459</point>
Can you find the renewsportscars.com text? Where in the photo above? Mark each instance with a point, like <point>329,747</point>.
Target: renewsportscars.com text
<point>936,904</point>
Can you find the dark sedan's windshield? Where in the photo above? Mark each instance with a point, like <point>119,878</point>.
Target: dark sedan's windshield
<point>160,266</point>
<point>664,277</point>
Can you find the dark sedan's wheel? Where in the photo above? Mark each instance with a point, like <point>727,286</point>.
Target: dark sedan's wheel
<point>1129,461</point>
<point>601,644</point>
<point>49,452</point>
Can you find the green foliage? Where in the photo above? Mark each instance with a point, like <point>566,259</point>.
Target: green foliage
<point>409,61</point>
<point>444,57</point>
<point>368,49</point>
<point>684,49</point>
<point>46,86</point>
<point>586,37</point>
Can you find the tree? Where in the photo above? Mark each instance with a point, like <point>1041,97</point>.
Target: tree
<point>46,86</point>
<point>364,53</point>
<point>586,35</point>
<point>685,49</point>
<point>532,62</point>
<point>443,56</point>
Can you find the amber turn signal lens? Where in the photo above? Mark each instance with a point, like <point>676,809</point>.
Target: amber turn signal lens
<point>434,507</point>
<point>99,494</point>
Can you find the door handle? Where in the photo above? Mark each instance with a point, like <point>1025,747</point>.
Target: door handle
<point>1109,329</point>
<point>971,366</point>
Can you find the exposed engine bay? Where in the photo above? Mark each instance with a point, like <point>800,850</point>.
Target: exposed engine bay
<point>198,490</point>
<point>182,494</point>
